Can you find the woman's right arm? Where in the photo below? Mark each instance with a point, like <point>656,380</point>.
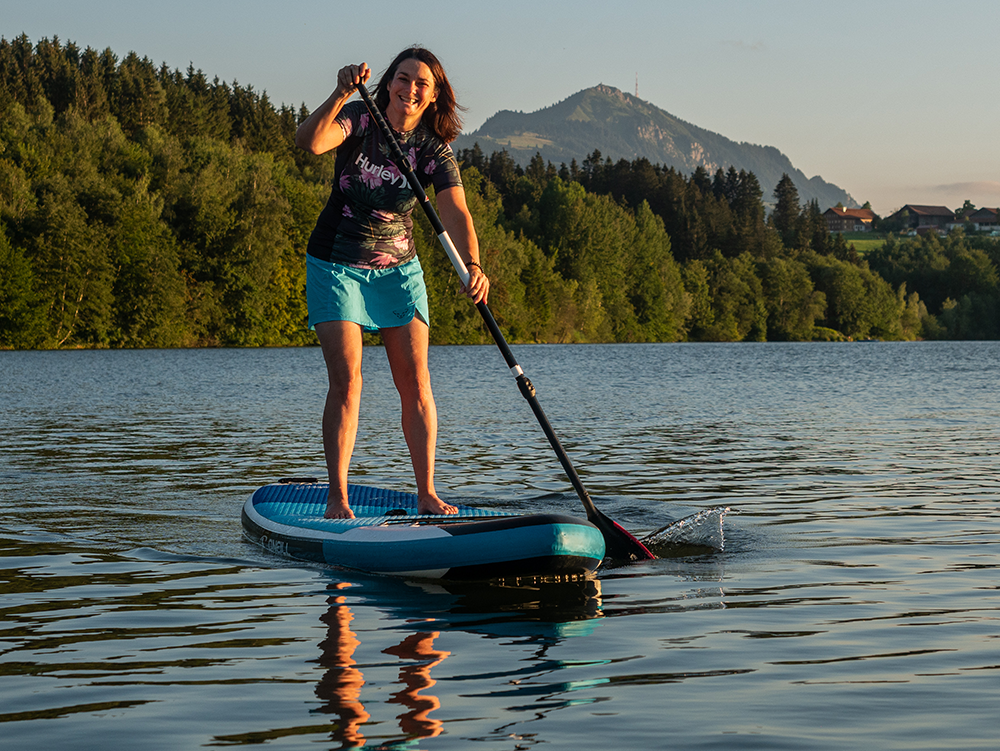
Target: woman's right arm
<point>320,133</point>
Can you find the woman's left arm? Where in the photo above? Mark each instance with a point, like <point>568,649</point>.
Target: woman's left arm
<point>457,220</point>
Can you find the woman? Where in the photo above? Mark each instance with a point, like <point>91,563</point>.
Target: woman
<point>362,270</point>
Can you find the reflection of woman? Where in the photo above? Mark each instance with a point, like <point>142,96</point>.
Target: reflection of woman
<point>362,269</point>
<point>415,678</point>
<point>340,686</point>
<point>342,682</point>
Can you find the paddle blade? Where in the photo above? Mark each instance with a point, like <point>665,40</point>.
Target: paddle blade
<point>620,546</point>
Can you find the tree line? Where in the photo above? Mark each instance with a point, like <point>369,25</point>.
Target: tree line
<point>746,274</point>
<point>145,207</point>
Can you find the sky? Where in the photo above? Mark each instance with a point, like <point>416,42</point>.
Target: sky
<point>895,102</point>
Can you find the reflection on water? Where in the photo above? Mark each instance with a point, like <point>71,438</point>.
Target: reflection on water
<point>98,636</point>
<point>342,686</point>
<point>417,723</point>
<point>854,602</point>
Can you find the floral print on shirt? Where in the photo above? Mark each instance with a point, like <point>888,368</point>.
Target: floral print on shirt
<point>367,221</point>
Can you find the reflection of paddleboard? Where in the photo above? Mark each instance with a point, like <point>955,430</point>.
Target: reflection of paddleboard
<point>389,537</point>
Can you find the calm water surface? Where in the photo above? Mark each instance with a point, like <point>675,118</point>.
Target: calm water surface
<point>855,603</point>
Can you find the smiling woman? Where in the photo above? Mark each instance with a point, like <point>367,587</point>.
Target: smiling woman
<point>412,91</point>
<point>362,270</point>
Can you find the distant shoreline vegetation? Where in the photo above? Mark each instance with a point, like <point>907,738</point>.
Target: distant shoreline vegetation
<point>145,207</point>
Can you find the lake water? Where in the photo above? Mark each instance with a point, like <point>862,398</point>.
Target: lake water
<point>855,604</point>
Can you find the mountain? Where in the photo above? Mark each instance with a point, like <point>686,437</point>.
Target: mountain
<point>622,126</point>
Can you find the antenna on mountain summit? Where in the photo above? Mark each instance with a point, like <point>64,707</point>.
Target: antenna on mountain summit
<point>637,84</point>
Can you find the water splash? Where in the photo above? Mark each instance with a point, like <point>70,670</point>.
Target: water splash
<point>703,530</point>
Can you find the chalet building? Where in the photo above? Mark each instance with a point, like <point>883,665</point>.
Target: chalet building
<point>924,218</point>
<point>849,220</point>
<point>984,220</point>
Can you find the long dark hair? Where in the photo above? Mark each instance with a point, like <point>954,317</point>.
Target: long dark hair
<point>441,116</point>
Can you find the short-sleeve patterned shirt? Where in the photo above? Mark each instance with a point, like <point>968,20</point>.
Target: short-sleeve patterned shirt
<point>366,222</point>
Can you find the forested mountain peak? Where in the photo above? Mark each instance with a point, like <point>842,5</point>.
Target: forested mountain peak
<point>623,126</point>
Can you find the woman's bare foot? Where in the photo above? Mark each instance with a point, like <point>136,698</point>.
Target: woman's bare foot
<point>336,509</point>
<point>434,505</point>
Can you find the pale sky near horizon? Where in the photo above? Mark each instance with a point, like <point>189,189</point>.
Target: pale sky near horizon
<point>895,102</point>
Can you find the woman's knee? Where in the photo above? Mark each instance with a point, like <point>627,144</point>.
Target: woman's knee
<point>345,386</point>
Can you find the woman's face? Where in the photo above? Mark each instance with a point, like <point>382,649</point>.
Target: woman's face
<point>411,91</point>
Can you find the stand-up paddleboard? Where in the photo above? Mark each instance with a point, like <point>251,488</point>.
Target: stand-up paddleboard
<point>389,537</point>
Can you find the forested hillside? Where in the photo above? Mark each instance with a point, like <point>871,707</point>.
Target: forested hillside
<point>147,207</point>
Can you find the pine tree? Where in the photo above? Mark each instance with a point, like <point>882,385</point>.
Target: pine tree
<point>786,211</point>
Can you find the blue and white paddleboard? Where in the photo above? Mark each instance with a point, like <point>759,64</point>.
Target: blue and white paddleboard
<point>389,537</point>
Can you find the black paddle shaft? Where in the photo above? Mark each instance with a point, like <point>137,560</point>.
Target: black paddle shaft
<point>620,545</point>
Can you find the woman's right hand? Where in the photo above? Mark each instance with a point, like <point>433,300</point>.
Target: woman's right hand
<point>351,75</point>
<point>319,133</point>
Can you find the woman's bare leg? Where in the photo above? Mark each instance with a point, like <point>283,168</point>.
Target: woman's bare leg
<point>406,347</point>
<point>341,344</point>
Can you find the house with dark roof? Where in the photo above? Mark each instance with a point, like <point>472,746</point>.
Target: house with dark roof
<point>839,219</point>
<point>984,219</point>
<point>924,218</point>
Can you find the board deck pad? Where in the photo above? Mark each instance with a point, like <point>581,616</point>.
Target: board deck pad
<point>305,503</point>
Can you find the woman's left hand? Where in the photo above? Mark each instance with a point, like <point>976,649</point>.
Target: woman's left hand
<point>478,288</point>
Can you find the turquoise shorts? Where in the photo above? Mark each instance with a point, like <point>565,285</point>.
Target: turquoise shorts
<point>373,298</point>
